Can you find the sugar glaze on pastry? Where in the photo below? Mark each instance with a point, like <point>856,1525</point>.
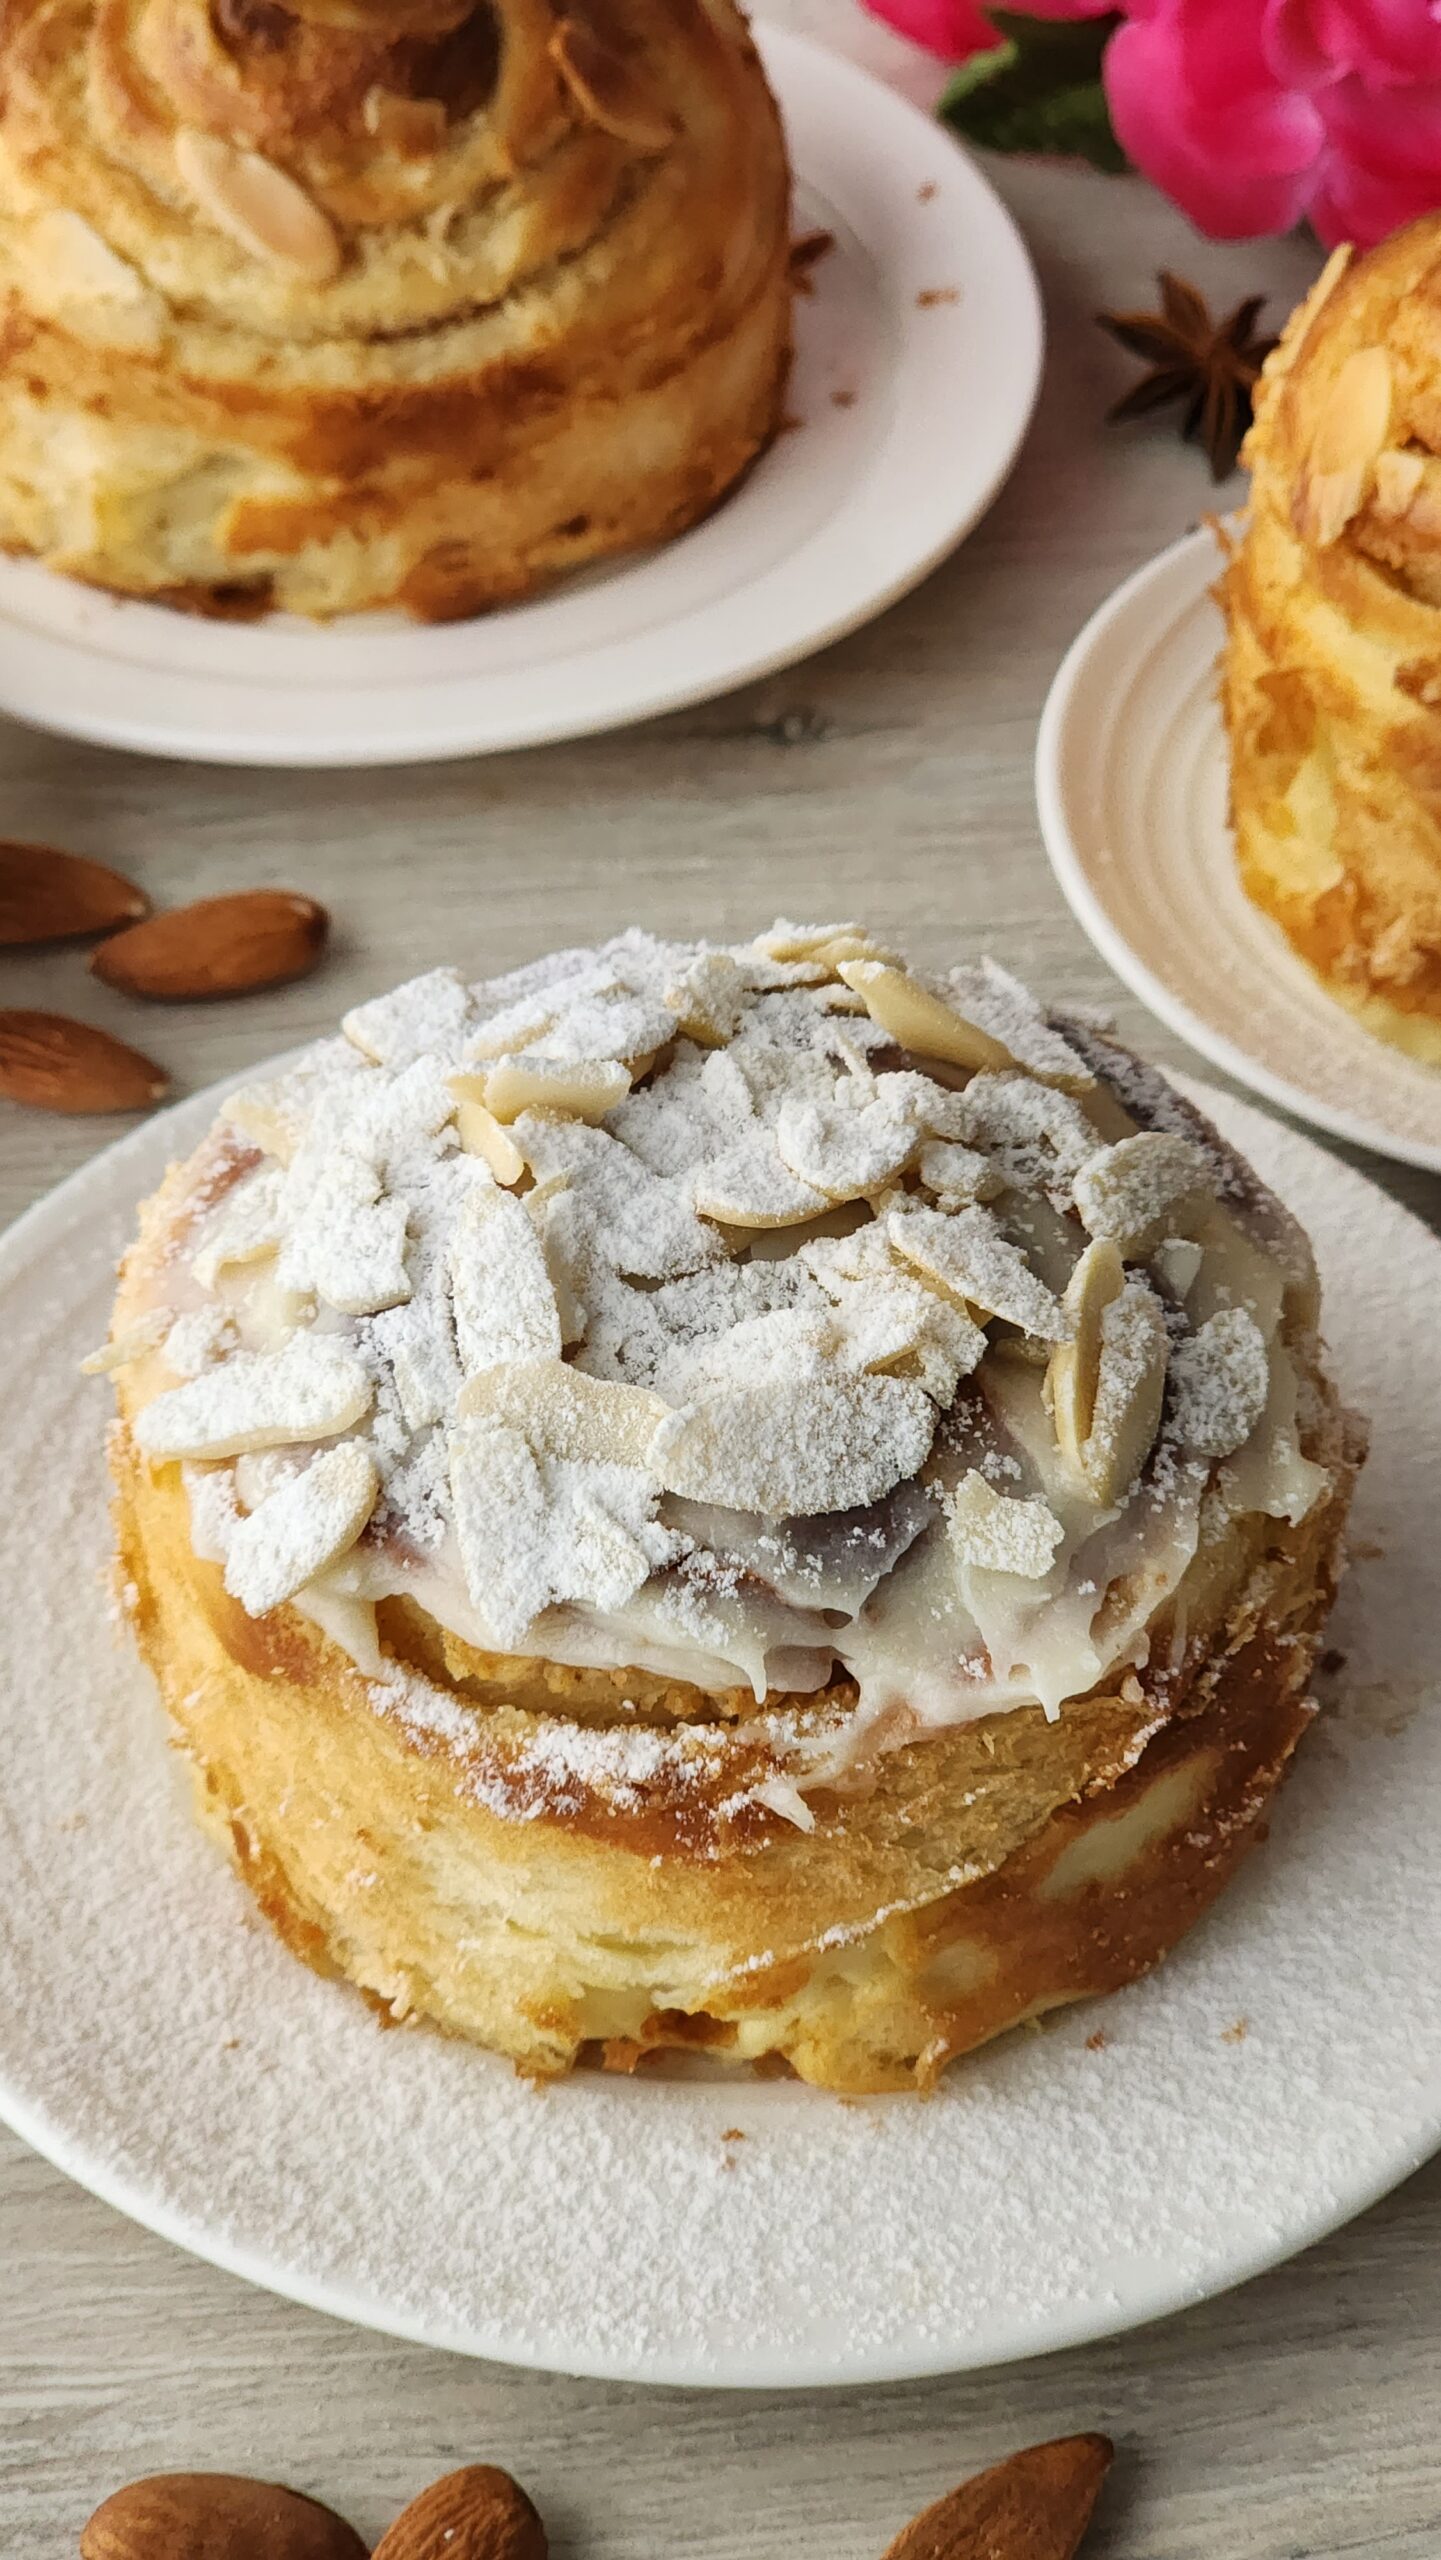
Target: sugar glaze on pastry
<point>776,1433</point>
<point>339,304</point>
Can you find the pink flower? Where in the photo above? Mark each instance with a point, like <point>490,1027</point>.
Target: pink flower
<point>1254,115</point>
<point>951,28</point>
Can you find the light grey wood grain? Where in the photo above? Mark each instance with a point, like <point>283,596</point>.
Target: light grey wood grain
<point>892,777</point>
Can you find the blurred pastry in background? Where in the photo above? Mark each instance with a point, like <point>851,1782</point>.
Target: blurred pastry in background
<point>1331,675</point>
<point>333,305</point>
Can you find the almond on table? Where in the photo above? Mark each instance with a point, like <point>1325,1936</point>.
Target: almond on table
<point>230,946</point>
<point>48,896</point>
<point>55,1064</point>
<point>1035,2506</point>
<point>475,2514</point>
<point>213,2515</point>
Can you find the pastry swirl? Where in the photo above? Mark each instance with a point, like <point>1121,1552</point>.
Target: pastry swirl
<point>733,1496</point>
<point>331,305</point>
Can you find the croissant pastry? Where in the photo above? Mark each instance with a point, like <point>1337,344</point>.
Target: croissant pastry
<point>1331,678</point>
<point>337,304</point>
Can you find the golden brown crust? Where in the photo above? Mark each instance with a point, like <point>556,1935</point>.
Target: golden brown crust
<point>978,1876</point>
<point>1331,679</point>
<point>338,307</point>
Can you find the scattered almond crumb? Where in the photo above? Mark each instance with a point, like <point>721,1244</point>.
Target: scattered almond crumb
<point>1238,2033</point>
<point>1097,2043</point>
<point>925,193</point>
<point>927,300</point>
<point>843,399</point>
<point>733,2134</point>
<point>231,2045</point>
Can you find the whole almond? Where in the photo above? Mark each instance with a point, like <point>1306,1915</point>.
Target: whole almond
<point>1036,2506</point>
<point>218,947</point>
<point>46,896</point>
<point>55,1064</point>
<point>475,2514</point>
<point>203,2515</point>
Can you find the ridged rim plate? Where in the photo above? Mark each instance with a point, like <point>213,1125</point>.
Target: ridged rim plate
<point>1279,2072</point>
<point>1131,785</point>
<point>917,362</point>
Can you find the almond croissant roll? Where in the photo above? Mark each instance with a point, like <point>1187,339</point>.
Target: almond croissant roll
<point>342,304</point>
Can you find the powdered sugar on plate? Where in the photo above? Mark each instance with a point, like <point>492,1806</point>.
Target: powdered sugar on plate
<point>158,2043</point>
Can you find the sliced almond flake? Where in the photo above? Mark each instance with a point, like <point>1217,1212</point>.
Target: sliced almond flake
<point>709,998</point>
<point>967,1256</point>
<point>346,1242</point>
<point>600,1022</point>
<point>245,1227</point>
<point>920,1021</point>
<point>1075,1365</point>
<point>749,1186</point>
<point>791,1448</point>
<point>1040,1138</point>
<point>532,1533</point>
<point>839,1261</point>
<point>81,266</point>
<point>313,1389</point>
<point>214,1512</point>
<point>780,1342</point>
<point>1270,1474</point>
<point>511,1029</point>
<point>296,1532</point>
<point>844,1151</point>
<point>1220,1379</point>
<point>563,1412</point>
<point>426,1017</point>
<point>826,944</point>
<point>618,1215</point>
<point>1130,1385</point>
<point>894,1323</point>
<point>569,1299</point>
<point>135,1343</point>
<point>987,994</point>
<point>418,1340</point>
<point>584,1090</point>
<point>197,1338</point>
<point>958,1175</point>
<point>501,1293</point>
<point>1000,1532</point>
<point>1178,1260</point>
<point>1129,1191</point>
<point>763,1074</point>
<point>479,1131</point>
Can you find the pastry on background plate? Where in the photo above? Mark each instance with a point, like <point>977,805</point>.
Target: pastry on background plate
<point>336,304</point>
<point>742,1499</point>
<point>1331,676</point>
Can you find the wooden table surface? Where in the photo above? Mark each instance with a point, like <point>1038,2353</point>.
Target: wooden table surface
<point>890,777</point>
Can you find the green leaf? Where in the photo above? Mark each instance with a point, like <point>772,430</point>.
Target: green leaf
<point>1039,89</point>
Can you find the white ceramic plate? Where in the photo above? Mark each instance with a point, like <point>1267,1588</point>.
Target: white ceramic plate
<point>1277,2074</point>
<point>911,411</point>
<point>1131,784</point>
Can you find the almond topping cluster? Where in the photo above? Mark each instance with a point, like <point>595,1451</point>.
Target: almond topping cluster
<point>587,1284</point>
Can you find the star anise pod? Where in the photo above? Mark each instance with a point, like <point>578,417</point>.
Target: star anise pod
<point>1211,365</point>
